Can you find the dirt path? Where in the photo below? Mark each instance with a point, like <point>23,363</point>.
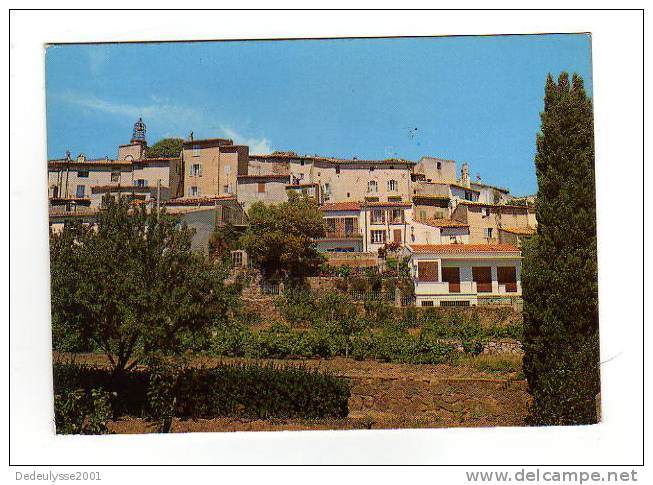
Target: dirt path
<point>354,369</point>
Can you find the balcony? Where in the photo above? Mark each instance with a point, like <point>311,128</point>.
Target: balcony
<point>350,235</point>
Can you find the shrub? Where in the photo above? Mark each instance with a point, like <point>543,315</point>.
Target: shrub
<point>297,306</point>
<point>378,313</point>
<point>359,285</point>
<point>393,345</point>
<point>246,390</point>
<point>344,271</point>
<point>80,411</point>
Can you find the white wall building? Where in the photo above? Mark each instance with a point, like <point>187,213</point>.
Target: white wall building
<point>465,274</point>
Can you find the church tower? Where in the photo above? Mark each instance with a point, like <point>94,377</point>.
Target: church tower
<point>136,148</point>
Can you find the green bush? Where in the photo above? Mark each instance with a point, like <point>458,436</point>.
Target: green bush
<point>244,390</point>
<point>378,313</point>
<point>297,306</point>
<point>393,345</point>
<point>80,411</point>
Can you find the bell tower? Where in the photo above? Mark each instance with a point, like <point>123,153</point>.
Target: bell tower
<point>138,134</point>
<point>135,150</point>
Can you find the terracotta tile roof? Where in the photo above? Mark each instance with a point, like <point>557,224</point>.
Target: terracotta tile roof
<point>443,223</point>
<point>500,189</point>
<point>87,163</point>
<point>463,248</point>
<point>386,204</point>
<point>208,200</point>
<point>187,209</point>
<point>340,161</point>
<point>341,206</point>
<point>430,196</point>
<point>484,204</point>
<point>521,231</point>
<point>157,159</point>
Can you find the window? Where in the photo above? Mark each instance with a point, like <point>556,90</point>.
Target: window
<point>196,150</point>
<point>196,170</point>
<point>397,216</point>
<point>372,186</point>
<point>227,169</point>
<point>427,303</point>
<point>348,195</point>
<point>454,303</point>
<point>141,183</point>
<point>427,271</point>
<point>349,225</point>
<point>115,176</point>
<point>82,174</point>
<point>422,215</point>
<point>371,169</point>
<point>378,237</point>
<point>331,225</point>
<point>485,211</point>
<point>482,276</point>
<point>452,276</point>
<point>378,216</point>
<point>261,187</point>
<point>225,189</point>
<point>80,191</point>
<point>194,191</point>
<point>394,198</point>
<point>439,165</point>
<point>337,170</point>
<point>469,195</point>
<point>507,275</point>
<point>301,162</point>
<point>488,232</point>
<point>393,186</point>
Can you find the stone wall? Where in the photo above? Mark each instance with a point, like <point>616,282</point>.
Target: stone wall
<point>454,401</point>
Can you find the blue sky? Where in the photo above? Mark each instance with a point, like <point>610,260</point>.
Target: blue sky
<point>474,99</point>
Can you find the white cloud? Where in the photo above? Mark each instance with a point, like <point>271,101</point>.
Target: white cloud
<point>256,145</point>
<point>172,118</point>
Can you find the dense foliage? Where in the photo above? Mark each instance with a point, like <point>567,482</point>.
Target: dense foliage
<point>280,238</point>
<point>131,285</point>
<point>81,411</point>
<point>379,332</point>
<point>243,390</point>
<point>165,148</point>
<point>559,276</point>
<point>223,240</point>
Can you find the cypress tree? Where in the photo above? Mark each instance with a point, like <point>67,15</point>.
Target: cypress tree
<point>559,277</point>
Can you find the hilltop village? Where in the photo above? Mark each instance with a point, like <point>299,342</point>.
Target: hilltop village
<point>462,237</point>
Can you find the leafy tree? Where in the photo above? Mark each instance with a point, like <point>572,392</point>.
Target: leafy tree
<point>223,240</point>
<point>559,275</point>
<point>280,238</point>
<point>165,148</point>
<point>132,285</point>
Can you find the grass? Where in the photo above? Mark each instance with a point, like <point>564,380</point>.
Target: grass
<point>493,362</point>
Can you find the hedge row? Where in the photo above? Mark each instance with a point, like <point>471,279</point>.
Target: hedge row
<point>240,390</point>
<point>279,342</point>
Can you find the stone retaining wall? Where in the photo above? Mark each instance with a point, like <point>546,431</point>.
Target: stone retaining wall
<point>493,402</point>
